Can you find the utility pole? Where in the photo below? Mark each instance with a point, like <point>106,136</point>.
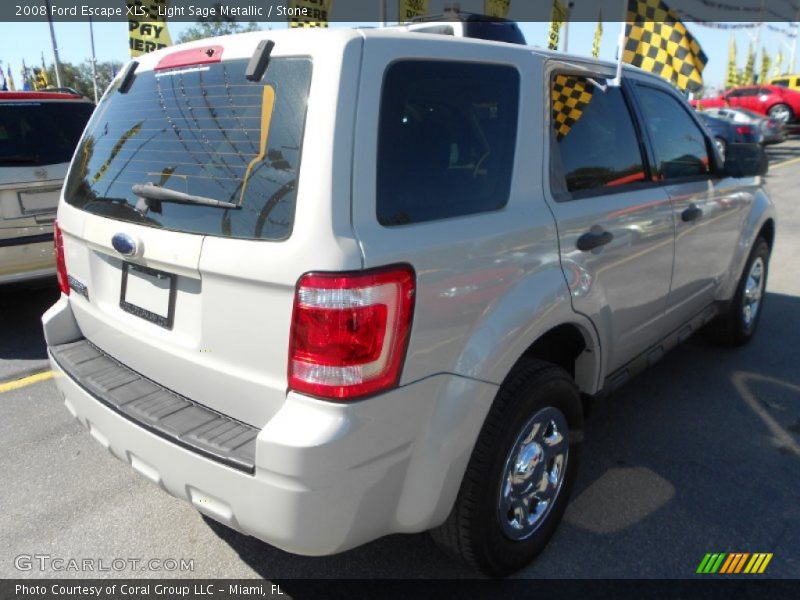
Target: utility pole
<point>94,60</point>
<point>56,62</point>
<point>566,26</point>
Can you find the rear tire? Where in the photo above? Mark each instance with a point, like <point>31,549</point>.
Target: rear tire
<point>518,480</point>
<point>781,112</point>
<point>737,325</point>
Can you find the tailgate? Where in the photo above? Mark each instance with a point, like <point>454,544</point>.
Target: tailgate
<point>195,295</point>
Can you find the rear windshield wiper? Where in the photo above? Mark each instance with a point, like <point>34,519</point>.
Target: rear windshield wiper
<point>20,158</point>
<point>150,191</point>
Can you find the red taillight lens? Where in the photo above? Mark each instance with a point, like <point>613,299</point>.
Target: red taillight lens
<point>350,332</point>
<point>744,130</point>
<point>61,264</point>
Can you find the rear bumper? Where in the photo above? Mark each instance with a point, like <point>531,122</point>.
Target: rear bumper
<point>26,258</point>
<point>327,477</point>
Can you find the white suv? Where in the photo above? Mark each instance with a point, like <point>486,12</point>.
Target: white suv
<point>340,284</point>
<point>38,135</point>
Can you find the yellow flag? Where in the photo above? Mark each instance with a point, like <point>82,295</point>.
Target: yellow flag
<point>11,86</point>
<point>765,64</point>
<point>147,26</point>
<point>749,67</point>
<point>598,34</point>
<point>412,8</point>
<point>496,8</point>
<point>559,15</point>
<point>317,13</point>
<point>775,71</point>
<point>40,81</point>
<point>657,41</point>
<point>732,77</point>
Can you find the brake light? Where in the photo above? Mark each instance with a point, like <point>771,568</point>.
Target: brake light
<point>744,130</point>
<point>350,332</point>
<point>61,264</point>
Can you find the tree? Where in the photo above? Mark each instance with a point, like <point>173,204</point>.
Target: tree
<point>215,26</point>
<point>79,77</point>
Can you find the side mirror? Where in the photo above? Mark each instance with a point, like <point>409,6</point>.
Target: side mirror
<point>745,160</point>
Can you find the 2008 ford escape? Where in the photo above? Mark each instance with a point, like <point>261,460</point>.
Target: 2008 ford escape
<point>344,283</point>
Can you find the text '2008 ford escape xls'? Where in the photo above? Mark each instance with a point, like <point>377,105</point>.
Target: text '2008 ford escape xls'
<point>340,284</point>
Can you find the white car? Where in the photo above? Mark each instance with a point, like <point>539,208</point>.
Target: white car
<point>38,135</point>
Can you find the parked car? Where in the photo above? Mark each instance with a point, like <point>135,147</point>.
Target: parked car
<point>791,82</point>
<point>772,131</point>
<point>318,351</point>
<point>38,135</point>
<point>727,132</point>
<point>780,103</point>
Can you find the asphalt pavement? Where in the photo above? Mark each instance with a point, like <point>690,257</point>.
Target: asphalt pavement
<point>699,454</point>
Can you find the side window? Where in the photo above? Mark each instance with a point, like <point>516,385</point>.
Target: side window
<point>595,146</point>
<point>446,140</point>
<point>679,144</point>
<point>781,82</point>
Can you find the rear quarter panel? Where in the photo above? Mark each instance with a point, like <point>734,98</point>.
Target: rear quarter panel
<point>489,284</point>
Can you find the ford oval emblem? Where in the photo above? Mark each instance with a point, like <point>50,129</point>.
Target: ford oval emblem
<point>124,244</point>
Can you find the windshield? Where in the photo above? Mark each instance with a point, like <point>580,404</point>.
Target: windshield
<point>203,131</point>
<point>40,133</point>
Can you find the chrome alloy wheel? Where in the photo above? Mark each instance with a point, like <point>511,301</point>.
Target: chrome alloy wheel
<point>533,473</point>
<point>780,112</point>
<point>753,290</point>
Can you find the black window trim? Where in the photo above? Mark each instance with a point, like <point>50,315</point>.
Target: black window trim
<point>716,168</point>
<point>644,152</point>
<point>520,108</point>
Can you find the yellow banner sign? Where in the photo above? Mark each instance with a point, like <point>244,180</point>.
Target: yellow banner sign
<point>412,8</point>
<point>147,26</point>
<point>496,8</point>
<point>309,13</point>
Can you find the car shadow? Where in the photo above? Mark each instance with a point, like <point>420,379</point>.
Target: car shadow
<point>672,466</point>
<point>778,153</point>
<point>21,310</point>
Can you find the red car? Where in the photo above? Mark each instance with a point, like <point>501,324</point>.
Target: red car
<point>779,103</point>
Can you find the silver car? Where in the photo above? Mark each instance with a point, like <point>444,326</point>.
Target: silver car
<point>332,285</point>
<point>38,135</point>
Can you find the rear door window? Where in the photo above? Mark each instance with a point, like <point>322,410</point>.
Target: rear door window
<point>204,131</point>
<point>40,133</point>
<point>680,146</point>
<point>595,147</point>
<point>446,140</point>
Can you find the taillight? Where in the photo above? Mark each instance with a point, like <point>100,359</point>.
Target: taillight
<point>744,130</point>
<point>61,264</point>
<point>350,332</point>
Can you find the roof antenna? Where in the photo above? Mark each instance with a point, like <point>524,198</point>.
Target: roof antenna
<point>259,61</point>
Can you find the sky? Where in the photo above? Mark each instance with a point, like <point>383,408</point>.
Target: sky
<point>27,41</point>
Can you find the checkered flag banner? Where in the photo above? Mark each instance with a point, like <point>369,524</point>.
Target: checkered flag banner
<point>570,97</point>
<point>657,41</point>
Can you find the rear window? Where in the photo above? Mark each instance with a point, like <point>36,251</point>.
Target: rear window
<point>40,133</point>
<point>200,131</point>
<point>446,140</point>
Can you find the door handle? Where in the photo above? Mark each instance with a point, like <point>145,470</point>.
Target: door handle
<point>594,239</point>
<point>692,213</point>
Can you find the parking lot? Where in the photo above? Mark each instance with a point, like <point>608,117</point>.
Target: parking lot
<point>699,454</point>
